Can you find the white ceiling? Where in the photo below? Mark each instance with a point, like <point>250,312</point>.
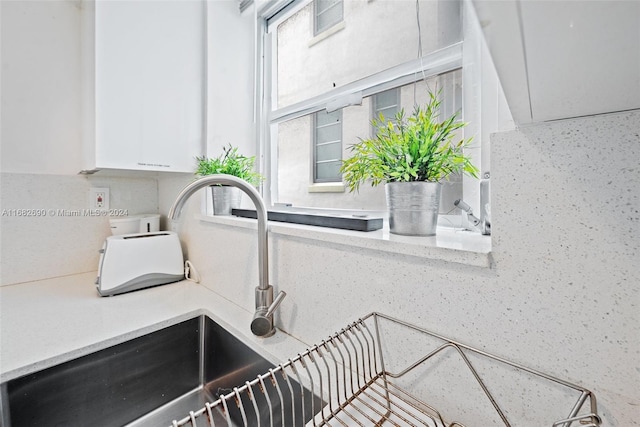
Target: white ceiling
<point>562,59</point>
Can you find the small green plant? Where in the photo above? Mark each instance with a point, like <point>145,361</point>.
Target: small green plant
<point>230,163</point>
<point>417,148</point>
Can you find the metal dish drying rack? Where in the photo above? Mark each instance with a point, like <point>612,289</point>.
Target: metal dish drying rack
<point>354,373</point>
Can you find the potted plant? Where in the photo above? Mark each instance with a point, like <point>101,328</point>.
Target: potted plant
<point>411,155</point>
<point>230,162</point>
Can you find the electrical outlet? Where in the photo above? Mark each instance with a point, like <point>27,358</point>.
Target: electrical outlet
<point>99,198</point>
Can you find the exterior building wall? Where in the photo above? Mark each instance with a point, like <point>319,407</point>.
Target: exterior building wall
<point>376,35</point>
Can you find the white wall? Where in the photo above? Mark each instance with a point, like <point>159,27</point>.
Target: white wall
<point>562,297</point>
<point>58,242</point>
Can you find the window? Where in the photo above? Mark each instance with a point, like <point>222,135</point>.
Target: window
<point>327,145</point>
<point>386,105</point>
<point>387,59</point>
<point>327,13</point>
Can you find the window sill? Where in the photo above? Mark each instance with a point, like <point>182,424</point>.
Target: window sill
<point>449,245</point>
<point>326,187</point>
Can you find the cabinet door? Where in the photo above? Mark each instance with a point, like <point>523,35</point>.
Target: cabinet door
<point>149,83</point>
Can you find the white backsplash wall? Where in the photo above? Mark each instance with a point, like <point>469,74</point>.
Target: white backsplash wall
<point>169,186</point>
<point>564,291</point>
<point>36,247</point>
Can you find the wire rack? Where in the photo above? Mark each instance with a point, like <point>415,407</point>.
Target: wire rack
<point>354,374</point>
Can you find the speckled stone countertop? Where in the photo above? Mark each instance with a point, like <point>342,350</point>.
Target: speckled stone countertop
<point>47,322</point>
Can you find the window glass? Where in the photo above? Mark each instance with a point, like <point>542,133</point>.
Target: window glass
<point>327,14</point>
<point>377,35</point>
<point>386,105</point>
<point>328,146</point>
<point>294,142</point>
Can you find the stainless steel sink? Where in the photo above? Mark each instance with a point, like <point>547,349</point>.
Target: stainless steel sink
<point>147,381</point>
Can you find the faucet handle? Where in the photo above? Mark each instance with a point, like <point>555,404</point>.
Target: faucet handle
<point>262,323</point>
<point>276,302</point>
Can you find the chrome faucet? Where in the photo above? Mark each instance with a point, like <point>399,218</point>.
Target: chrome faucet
<point>262,323</point>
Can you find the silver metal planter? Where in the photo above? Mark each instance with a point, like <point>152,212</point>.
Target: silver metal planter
<point>413,207</point>
<point>225,198</point>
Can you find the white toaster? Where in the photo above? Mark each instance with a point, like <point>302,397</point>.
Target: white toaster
<point>135,261</point>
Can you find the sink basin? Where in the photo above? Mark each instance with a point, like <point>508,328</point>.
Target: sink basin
<point>148,381</point>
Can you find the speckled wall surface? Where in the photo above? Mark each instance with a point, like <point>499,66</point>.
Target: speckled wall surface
<point>45,231</point>
<point>566,245</point>
<point>563,293</point>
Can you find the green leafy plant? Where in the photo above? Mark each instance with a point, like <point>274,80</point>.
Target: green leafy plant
<point>230,163</point>
<point>416,148</point>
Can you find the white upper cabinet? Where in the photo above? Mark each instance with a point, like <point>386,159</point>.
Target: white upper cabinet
<point>145,84</point>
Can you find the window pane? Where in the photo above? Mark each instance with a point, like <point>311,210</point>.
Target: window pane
<point>328,13</point>
<point>378,35</point>
<point>387,105</point>
<point>324,5</point>
<point>330,133</point>
<point>295,149</point>
<point>387,113</point>
<point>330,151</point>
<point>327,172</point>
<point>323,118</point>
<point>387,99</point>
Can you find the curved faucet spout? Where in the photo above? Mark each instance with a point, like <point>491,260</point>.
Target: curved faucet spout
<point>264,291</point>
<point>249,190</point>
